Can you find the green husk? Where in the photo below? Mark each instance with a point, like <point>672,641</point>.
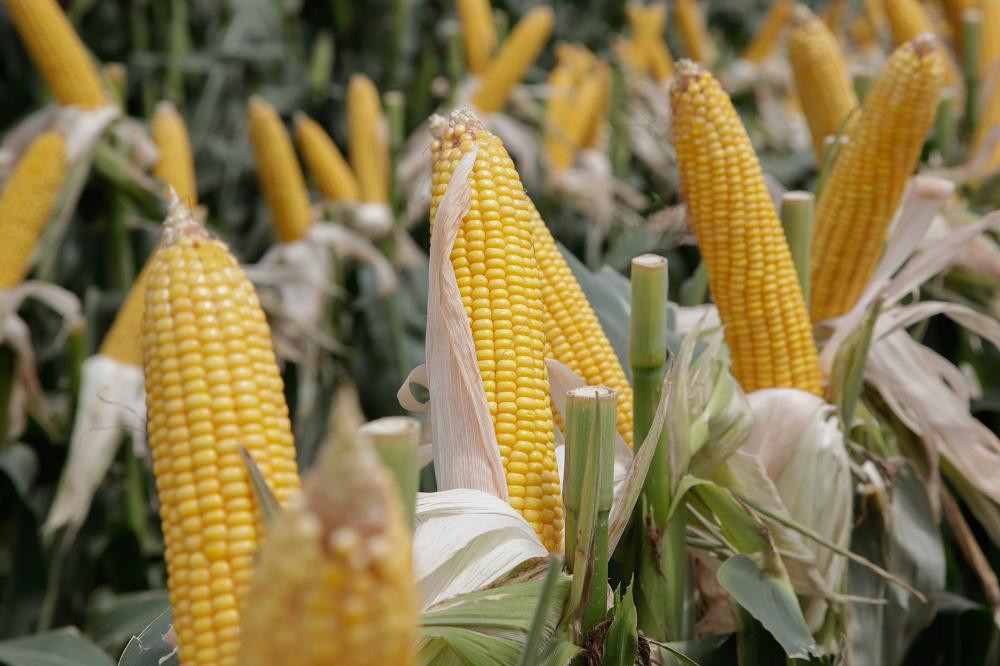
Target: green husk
<point>396,440</point>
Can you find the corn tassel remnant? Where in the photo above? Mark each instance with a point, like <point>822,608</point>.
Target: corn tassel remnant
<point>176,164</point>
<point>58,53</point>
<point>501,288</point>
<point>750,269</point>
<point>369,149</point>
<point>516,55</point>
<point>324,161</point>
<point>861,195</point>
<point>278,172</point>
<point>212,386</point>
<point>28,198</point>
<point>479,33</point>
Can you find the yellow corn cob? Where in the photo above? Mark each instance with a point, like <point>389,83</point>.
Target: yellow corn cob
<point>278,172</point>
<point>334,583</point>
<point>629,55</point>
<point>661,63</point>
<point>572,329</point>
<point>598,118</point>
<point>328,167</point>
<point>479,34</point>
<point>989,50</point>
<point>212,386</point>
<point>750,269</point>
<point>123,341</point>
<point>28,198</point>
<point>368,148</point>
<point>559,109</point>
<point>501,289</point>
<point>875,12</point>
<point>692,28</point>
<point>176,164</point>
<point>57,52</point>
<point>863,33</point>
<point>907,20</point>
<point>768,31</point>
<point>833,17</point>
<point>954,9</point>
<point>825,92</point>
<point>516,55</point>
<point>647,34</point>
<point>989,120</point>
<point>859,198</point>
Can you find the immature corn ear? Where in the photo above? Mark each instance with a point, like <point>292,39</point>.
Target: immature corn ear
<point>479,33</point>
<point>368,147</point>
<point>501,289</point>
<point>57,52</point>
<point>820,77</point>
<point>750,269</point>
<point>212,386</point>
<point>28,197</point>
<point>768,31</point>
<point>327,166</point>
<point>176,164</point>
<point>517,53</point>
<point>334,581</point>
<point>278,172</point>
<point>989,51</point>
<point>862,192</point>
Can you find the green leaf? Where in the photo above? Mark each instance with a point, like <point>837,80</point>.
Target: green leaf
<point>538,624</point>
<point>113,620</point>
<point>150,648</point>
<point>709,651</point>
<point>22,594</point>
<point>269,506</point>
<point>557,653</point>
<point>736,523</point>
<point>63,647</point>
<point>770,602</point>
<point>849,368</point>
<point>454,645</point>
<point>510,608</point>
<point>621,647</point>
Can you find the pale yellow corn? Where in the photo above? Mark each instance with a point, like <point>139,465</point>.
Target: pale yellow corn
<point>750,270</point>
<point>176,164</point>
<point>516,55</point>
<point>369,149</point>
<point>501,288</point>
<point>989,50</point>
<point>324,161</point>
<point>278,172</point>
<point>58,53</point>
<point>647,24</point>
<point>861,195</point>
<point>953,10</point>
<point>692,28</point>
<point>212,386</point>
<point>833,17</point>
<point>479,33</point>
<point>768,31</point>
<point>559,108</point>
<point>909,19</point>
<point>28,198</point>
<point>123,341</point>
<point>598,117</point>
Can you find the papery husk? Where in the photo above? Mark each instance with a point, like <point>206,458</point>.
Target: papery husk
<point>648,115</point>
<point>112,401</point>
<point>81,129</point>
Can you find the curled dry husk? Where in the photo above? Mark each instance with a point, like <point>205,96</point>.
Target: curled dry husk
<point>112,400</point>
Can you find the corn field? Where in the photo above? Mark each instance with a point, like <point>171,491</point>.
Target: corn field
<point>499,332</point>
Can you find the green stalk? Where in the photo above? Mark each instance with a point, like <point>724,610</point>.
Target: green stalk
<point>797,221</point>
<point>590,436</point>
<point>831,148</point>
<point>120,247</point>
<point>862,80</point>
<point>972,30</point>
<point>502,23</point>
<point>400,18</point>
<point>139,22</point>
<point>452,33</point>
<point>620,152</point>
<point>946,127</point>
<point>179,44</point>
<point>395,113</point>
<point>396,439</point>
<point>321,64</point>
<point>135,494</point>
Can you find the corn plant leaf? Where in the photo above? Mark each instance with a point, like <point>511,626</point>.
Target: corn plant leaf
<point>621,647</point>
<point>269,506</point>
<point>154,646</point>
<point>443,646</point>
<point>21,595</point>
<point>557,653</point>
<point>771,603</point>
<point>113,620</point>
<point>538,625</point>
<point>63,647</point>
<point>717,650</point>
<point>742,530</point>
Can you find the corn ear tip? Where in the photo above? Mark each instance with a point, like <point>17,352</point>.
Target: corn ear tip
<point>686,70</point>
<point>165,108</point>
<point>180,223</point>
<point>801,15</point>
<point>924,44</point>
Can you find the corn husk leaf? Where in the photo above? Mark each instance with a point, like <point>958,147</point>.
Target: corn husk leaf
<point>621,647</point>
<point>112,400</point>
<point>156,645</point>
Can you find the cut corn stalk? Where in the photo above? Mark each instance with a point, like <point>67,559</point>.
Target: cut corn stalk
<point>516,55</point>
<point>866,183</point>
<point>750,269</point>
<point>278,172</point>
<point>501,289</point>
<point>369,149</point>
<point>479,34</point>
<point>324,161</point>
<point>768,31</point>
<point>820,77</point>
<point>334,581</point>
<point>28,198</point>
<point>212,387</point>
<point>58,53</point>
<point>175,167</point>
<point>692,28</point>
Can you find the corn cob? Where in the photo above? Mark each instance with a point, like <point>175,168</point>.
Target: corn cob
<point>516,55</point>
<point>328,167</point>
<point>479,34</point>
<point>176,164</point>
<point>559,109</point>
<point>863,33</point>
<point>750,269</point>
<point>833,17</point>
<point>860,196</point>
<point>875,13</point>
<point>123,341</point>
<point>572,330</point>
<point>647,34</point>
<point>628,54</point>
<point>661,63</point>
<point>28,198</point>
<point>334,583</point>
<point>368,148</point>
<point>768,31</point>
<point>825,92</point>
<point>58,53</point>
<point>212,386</point>
<point>598,117</point>
<point>953,10</point>
<point>907,20</point>
<point>692,28</point>
<point>501,289</point>
<point>278,172</point>
<point>989,50</point>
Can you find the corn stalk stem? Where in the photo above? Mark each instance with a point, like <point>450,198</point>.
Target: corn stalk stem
<point>395,113</point>
<point>946,127</point>
<point>396,440</point>
<point>456,59</point>
<point>619,125</point>
<point>797,221</point>
<point>971,40</point>
<point>862,80</point>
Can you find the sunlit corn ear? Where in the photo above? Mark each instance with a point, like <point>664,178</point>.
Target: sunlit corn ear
<point>212,388</point>
<point>58,53</point>
<point>697,45</point>
<point>334,581</point>
<point>516,54</point>
<point>326,164</point>
<point>490,411</point>
<point>768,31</point>
<point>175,166</point>
<point>750,269</point>
<point>479,34</point>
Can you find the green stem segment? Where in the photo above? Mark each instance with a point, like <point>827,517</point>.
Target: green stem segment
<point>456,57</point>
<point>972,30</point>
<point>862,80</point>
<point>946,127</point>
<point>797,220</point>
<point>396,439</point>
<point>589,491</point>
<point>395,113</point>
